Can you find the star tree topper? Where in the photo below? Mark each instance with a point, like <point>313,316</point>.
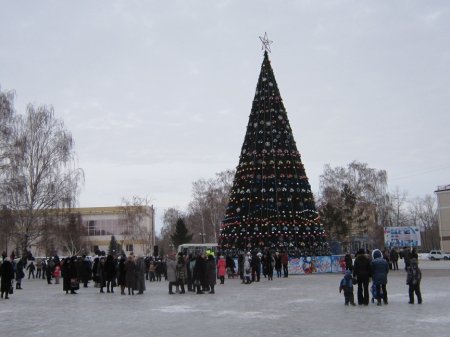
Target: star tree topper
<point>266,42</point>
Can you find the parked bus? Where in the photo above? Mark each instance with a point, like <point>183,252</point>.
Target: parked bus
<point>197,248</point>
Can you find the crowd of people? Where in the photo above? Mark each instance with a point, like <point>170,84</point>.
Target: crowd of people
<point>199,274</point>
<point>376,266</point>
<point>190,273</point>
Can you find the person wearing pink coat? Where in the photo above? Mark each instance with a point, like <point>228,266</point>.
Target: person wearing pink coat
<point>221,269</point>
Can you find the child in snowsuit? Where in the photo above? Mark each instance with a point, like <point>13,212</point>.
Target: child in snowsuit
<point>413,278</point>
<point>347,286</point>
<point>373,290</point>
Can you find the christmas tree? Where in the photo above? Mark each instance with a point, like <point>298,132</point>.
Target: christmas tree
<point>271,205</point>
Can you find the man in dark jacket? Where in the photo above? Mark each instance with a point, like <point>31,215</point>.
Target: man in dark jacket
<point>7,275</point>
<point>85,271</point>
<point>199,274</point>
<point>109,269</point>
<point>393,256</point>
<point>210,273</point>
<point>361,270</point>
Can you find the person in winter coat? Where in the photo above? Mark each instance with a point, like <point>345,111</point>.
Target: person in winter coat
<point>49,270</point>
<point>94,272</point>
<point>171,266</point>
<point>101,273</point>
<point>74,280</point>
<point>19,273</point>
<point>85,271</point>
<point>247,269</point>
<point>406,254</point>
<point>38,268</point>
<point>180,273</point>
<point>140,275</point>
<point>230,266</point>
<point>121,275</point>
<point>256,266</point>
<point>210,273</point>
<point>393,256</point>
<point>285,262</point>
<point>31,268</point>
<point>110,273</point>
<point>347,286</point>
<point>65,273</point>
<point>241,259</point>
<point>348,262</point>
<point>70,275</point>
<point>7,275</point>
<point>57,273</point>
<point>198,273</point>
<point>159,270</point>
<point>189,269</point>
<point>361,270</point>
<point>413,278</point>
<point>130,274</point>
<point>269,263</point>
<point>221,269</point>
<point>278,264</point>
<point>379,270</point>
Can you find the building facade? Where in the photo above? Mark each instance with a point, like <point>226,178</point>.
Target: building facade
<point>443,199</point>
<point>133,228</point>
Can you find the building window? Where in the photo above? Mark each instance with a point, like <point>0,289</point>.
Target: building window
<point>91,227</point>
<point>129,248</point>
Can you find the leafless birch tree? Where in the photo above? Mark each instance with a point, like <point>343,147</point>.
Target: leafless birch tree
<point>41,173</point>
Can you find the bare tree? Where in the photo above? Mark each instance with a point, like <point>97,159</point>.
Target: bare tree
<point>210,198</point>
<point>70,233</point>
<point>170,217</point>
<point>6,119</point>
<point>6,227</point>
<point>424,214</point>
<point>41,173</point>
<point>398,203</point>
<point>136,212</point>
<point>367,187</point>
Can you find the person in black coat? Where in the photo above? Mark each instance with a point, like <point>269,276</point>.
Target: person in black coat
<point>85,271</point>
<point>7,275</point>
<point>20,273</point>
<point>393,256</point>
<point>362,272</point>
<point>65,273</point>
<point>210,273</point>
<point>198,274</point>
<point>110,273</point>
<point>348,262</point>
<point>121,280</point>
<point>256,267</point>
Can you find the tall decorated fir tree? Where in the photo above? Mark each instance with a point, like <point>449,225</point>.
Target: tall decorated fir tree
<point>271,204</point>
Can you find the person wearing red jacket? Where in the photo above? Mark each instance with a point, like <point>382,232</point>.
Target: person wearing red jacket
<point>221,269</point>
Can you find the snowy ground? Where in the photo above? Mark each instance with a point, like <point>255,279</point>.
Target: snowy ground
<point>308,305</point>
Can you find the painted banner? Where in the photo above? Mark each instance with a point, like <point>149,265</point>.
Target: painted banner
<point>402,237</point>
<point>312,265</point>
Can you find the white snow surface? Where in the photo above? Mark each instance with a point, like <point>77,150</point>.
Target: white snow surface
<point>306,305</point>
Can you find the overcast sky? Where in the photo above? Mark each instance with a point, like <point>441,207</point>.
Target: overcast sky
<point>157,94</point>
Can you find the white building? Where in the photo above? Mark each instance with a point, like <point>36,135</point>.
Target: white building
<point>132,227</point>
